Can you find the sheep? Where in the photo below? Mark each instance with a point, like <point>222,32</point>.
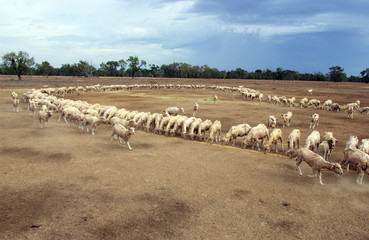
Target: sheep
<point>171,123</point>
<point>195,109</point>
<point>260,132</point>
<point>142,120</point>
<point>43,117</point>
<point>275,136</point>
<point>214,132</point>
<point>310,91</point>
<point>174,111</point>
<point>15,104</point>
<point>203,128</point>
<point>364,110</point>
<point>67,112</point>
<point>236,131</point>
<point>194,128</point>
<point>313,141</point>
<point>178,126</point>
<point>314,103</point>
<point>350,112</point>
<point>122,133</point>
<point>355,106</point>
<point>316,162</point>
<point>327,104</point>
<point>358,158</point>
<point>163,123</point>
<point>150,123</point>
<point>364,146</point>
<point>323,149</point>
<point>14,95</point>
<point>293,140</point>
<point>335,107</point>
<point>93,121</point>
<point>332,141</point>
<point>187,123</point>
<point>130,115</point>
<point>109,113</point>
<point>314,120</point>
<point>158,119</point>
<point>124,123</point>
<point>272,122</point>
<point>303,103</point>
<point>215,99</point>
<point>353,142</point>
<point>291,101</point>
<point>287,118</point>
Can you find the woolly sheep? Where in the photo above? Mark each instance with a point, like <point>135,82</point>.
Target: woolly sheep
<point>364,110</point>
<point>150,123</point>
<point>275,136</point>
<point>335,107</point>
<point>314,120</point>
<point>287,118</point>
<point>272,122</point>
<point>124,123</point>
<point>324,149</point>
<point>364,146</point>
<point>15,104</point>
<point>240,130</point>
<point>174,111</point>
<point>178,126</point>
<point>195,109</point>
<point>203,128</point>
<point>350,112</point>
<point>353,142</point>
<point>194,128</point>
<point>313,141</point>
<point>257,133</point>
<point>293,140</point>
<point>316,162</point>
<point>215,99</point>
<point>303,103</point>
<point>186,125</point>
<point>214,132</point>
<point>93,122</point>
<point>163,123</point>
<point>43,117</point>
<point>170,124</point>
<point>122,133</point>
<point>358,158</point>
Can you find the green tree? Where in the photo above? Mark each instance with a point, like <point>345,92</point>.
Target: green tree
<point>134,65</point>
<point>336,74</point>
<point>18,63</point>
<point>44,69</point>
<point>365,75</point>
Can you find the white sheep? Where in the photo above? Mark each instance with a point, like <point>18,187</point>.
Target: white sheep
<point>324,150</point>
<point>174,111</point>
<point>256,134</point>
<point>215,99</point>
<point>15,104</point>
<point>122,133</point>
<point>350,112</point>
<point>331,140</point>
<point>92,121</point>
<point>293,140</point>
<point>195,109</point>
<point>313,141</point>
<point>171,123</point>
<point>364,110</point>
<point>275,136</point>
<point>125,123</point>
<point>287,118</point>
<point>327,104</point>
<point>186,125</point>
<point>314,120</point>
<point>43,117</point>
<point>240,130</point>
<point>150,123</point>
<point>353,142</point>
<point>203,128</point>
<point>358,158</point>
<point>14,95</point>
<point>316,162</point>
<point>272,122</point>
<point>214,132</point>
<point>291,101</point>
<point>364,146</point>
<point>177,128</point>
<point>303,103</point>
<point>163,123</point>
<point>194,128</point>
<point>310,91</point>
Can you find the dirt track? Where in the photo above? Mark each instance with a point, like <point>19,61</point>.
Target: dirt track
<point>61,183</point>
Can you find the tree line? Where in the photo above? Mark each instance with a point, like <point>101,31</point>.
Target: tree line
<point>21,63</point>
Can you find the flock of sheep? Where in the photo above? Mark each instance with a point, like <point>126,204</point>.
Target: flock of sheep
<point>44,102</point>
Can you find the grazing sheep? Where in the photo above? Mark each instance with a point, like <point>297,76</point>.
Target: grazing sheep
<point>316,162</point>
<point>43,117</point>
<point>275,136</point>
<point>355,106</point>
<point>215,99</point>
<point>358,158</point>
<point>67,112</point>
<point>141,121</point>
<point>158,120</point>
<point>15,104</point>
<point>163,123</point>
<point>150,123</point>
<point>214,132</point>
<point>125,123</point>
<point>272,122</point>
<point>260,132</point>
<point>314,103</point>
<point>364,146</point>
<point>195,109</point>
<point>303,103</point>
<point>310,91</point>
<point>364,110</point>
<point>122,133</point>
<point>186,125</point>
<point>203,128</point>
<point>178,126</point>
<point>174,111</point>
<point>293,140</point>
<point>93,122</point>
<point>332,141</point>
<point>291,101</point>
<point>327,104</point>
<point>194,128</point>
<point>170,124</point>
<point>314,120</point>
<point>240,130</point>
<point>335,107</point>
<point>287,118</point>
<point>313,141</point>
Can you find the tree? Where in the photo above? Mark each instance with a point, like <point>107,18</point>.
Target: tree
<point>336,74</point>
<point>18,63</point>
<point>365,75</point>
<point>134,65</point>
<point>44,69</point>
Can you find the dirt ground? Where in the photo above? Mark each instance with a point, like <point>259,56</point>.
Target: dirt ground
<point>62,183</point>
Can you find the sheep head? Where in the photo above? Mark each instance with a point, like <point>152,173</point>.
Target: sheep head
<point>291,153</point>
<point>336,167</point>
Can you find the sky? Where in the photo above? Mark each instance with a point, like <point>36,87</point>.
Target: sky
<point>308,36</point>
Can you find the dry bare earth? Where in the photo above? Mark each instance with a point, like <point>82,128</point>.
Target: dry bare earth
<point>61,183</point>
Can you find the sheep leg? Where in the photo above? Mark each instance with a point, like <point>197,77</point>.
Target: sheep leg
<point>297,163</point>
<point>311,125</point>
<point>129,146</point>
<point>93,130</point>
<point>111,136</point>
<point>282,145</point>
<point>87,129</point>
<point>314,174</point>
<point>360,176</point>
<point>120,139</point>
<point>320,177</point>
